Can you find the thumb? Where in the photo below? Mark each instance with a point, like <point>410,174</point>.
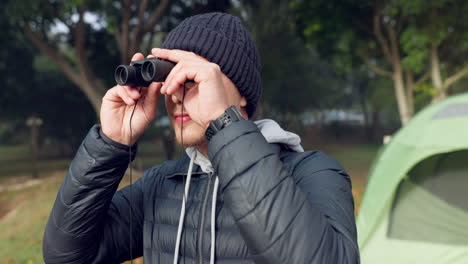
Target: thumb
<point>152,96</point>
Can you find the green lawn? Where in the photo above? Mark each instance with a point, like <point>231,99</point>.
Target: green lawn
<point>23,226</point>
<point>16,162</point>
<point>23,213</point>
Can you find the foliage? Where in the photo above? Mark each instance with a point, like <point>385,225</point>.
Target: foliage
<point>16,67</point>
<point>295,78</point>
<point>32,85</point>
<point>35,84</point>
<point>344,31</point>
<point>66,112</point>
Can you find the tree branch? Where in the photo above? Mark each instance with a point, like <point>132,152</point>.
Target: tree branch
<point>456,77</point>
<point>59,15</point>
<point>125,32</point>
<point>141,11</point>
<point>374,67</point>
<point>394,44</point>
<point>409,86</point>
<point>435,68</point>
<point>79,35</point>
<point>87,74</point>
<point>380,37</point>
<point>156,16</point>
<point>53,54</point>
<point>83,77</point>
<point>422,79</point>
<point>148,26</point>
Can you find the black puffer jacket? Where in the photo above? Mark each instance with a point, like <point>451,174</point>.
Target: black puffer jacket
<point>274,206</point>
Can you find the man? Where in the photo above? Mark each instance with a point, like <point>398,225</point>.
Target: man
<point>244,193</point>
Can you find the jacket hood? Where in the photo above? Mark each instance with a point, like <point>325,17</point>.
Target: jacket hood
<point>272,132</point>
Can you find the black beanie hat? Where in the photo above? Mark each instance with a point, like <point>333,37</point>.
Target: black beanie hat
<point>222,39</point>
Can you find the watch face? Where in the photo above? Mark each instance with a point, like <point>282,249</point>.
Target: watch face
<point>226,119</point>
<point>231,114</point>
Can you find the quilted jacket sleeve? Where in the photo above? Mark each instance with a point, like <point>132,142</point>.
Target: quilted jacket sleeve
<point>301,216</point>
<point>88,223</point>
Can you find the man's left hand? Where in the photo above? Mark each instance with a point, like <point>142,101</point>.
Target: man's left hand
<point>207,98</point>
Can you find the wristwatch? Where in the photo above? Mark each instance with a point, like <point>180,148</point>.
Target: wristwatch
<point>232,114</point>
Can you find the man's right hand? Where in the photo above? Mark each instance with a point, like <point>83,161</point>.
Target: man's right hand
<point>117,106</point>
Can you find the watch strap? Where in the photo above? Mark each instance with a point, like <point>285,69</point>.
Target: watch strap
<point>232,114</point>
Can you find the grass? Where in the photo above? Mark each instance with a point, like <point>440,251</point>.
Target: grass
<point>13,152</point>
<point>23,226</point>
<point>15,160</point>
<point>24,223</point>
<point>24,213</point>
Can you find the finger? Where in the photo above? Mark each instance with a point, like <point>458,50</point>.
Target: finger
<point>118,95</point>
<point>137,56</point>
<point>132,92</point>
<point>174,55</point>
<point>152,96</point>
<point>166,54</point>
<point>170,76</point>
<point>122,93</point>
<point>181,76</point>
<point>176,83</point>
<point>189,68</point>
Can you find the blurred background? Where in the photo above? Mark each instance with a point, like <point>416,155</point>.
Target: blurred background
<point>340,73</point>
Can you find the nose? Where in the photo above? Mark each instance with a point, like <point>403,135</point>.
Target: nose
<point>177,96</point>
<point>175,99</point>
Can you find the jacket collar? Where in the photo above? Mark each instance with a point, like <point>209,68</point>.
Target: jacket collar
<point>180,168</point>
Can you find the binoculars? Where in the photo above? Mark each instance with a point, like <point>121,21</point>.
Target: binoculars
<point>143,72</point>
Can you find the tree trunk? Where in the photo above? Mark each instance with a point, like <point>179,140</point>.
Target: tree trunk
<point>436,76</point>
<point>441,85</point>
<point>410,84</point>
<point>128,43</point>
<point>389,46</point>
<point>399,85</point>
<point>92,87</point>
<point>94,95</point>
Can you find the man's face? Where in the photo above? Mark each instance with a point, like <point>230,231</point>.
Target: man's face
<point>193,134</point>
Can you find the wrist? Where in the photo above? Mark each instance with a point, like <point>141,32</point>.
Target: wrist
<point>215,115</point>
<point>229,116</point>
<point>117,142</point>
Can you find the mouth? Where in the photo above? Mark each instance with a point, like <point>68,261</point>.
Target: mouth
<point>182,118</point>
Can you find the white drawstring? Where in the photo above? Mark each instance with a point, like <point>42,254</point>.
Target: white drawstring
<point>182,210</point>
<point>213,220</point>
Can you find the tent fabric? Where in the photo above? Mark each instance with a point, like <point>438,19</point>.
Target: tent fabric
<point>434,131</point>
<point>445,176</point>
<point>381,250</point>
<point>431,203</point>
<point>452,110</point>
<point>419,215</point>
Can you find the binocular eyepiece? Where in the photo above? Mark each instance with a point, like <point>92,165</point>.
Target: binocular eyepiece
<point>143,72</point>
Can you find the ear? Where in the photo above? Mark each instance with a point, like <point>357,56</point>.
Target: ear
<point>243,102</point>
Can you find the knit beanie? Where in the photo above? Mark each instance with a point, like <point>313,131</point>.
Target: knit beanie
<point>222,39</point>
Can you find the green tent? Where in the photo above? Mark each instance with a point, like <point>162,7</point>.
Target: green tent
<point>415,207</point>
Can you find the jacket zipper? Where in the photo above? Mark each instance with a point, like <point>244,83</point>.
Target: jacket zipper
<point>201,223</point>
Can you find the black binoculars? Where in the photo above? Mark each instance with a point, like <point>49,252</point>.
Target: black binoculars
<point>143,72</point>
